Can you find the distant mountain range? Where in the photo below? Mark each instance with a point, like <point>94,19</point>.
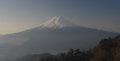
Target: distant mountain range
<point>56,35</point>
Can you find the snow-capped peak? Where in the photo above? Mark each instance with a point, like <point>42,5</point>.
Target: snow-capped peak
<point>57,22</point>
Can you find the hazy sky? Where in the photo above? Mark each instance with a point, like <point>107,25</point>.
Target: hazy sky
<point>19,15</point>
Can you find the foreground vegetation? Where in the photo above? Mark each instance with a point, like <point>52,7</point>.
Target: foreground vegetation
<point>106,50</point>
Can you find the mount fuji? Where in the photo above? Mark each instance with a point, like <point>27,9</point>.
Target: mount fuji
<point>58,22</point>
<point>54,36</point>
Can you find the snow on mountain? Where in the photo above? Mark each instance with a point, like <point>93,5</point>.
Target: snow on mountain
<point>58,22</point>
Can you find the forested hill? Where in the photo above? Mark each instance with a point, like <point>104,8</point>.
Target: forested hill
<point>106,50</point>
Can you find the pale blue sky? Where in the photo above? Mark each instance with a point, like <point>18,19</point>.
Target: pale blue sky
<point>19,15</point>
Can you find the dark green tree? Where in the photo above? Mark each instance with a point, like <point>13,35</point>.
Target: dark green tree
<point>55,59</point>
<point>107,57</point>
<point>77,52</point>
<point>42,59</point>
<point>70,52</point>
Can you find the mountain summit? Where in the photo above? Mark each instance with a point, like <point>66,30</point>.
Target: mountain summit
<point>58,22</point>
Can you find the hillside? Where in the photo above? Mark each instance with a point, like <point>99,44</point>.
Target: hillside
<point>106,50</point>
